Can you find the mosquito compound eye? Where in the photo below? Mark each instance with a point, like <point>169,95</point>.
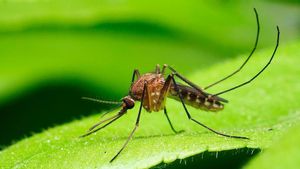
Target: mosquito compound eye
<point>129,102</point>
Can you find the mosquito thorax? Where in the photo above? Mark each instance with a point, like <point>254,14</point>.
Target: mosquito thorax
<point>154,82</point>
<point>128,102</point>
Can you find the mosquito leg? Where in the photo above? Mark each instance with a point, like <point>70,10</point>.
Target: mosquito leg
<point>174,72</point>
<point>201,124</point>
<point>164,92</point>
<point>136,124</point>
<point>255,76</point>
<point>244,63</point>
<point>162,99</point>
<point>170,123</point>
<point>136,73</point>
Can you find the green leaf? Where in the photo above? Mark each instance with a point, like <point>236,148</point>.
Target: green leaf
<point>83,39</point>
<point>260,111</point>
<point>283,154</point>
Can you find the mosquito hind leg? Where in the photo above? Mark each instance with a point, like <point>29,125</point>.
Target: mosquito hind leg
<point>247,59</point>
<point>257,74</point>
<point>193,85</point>
<point>196,121</point>
<point>174,72</point>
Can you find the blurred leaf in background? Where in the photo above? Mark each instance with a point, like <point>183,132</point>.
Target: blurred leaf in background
<point>54,52</point>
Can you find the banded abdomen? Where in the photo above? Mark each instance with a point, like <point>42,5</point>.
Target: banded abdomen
<point>197,99</point>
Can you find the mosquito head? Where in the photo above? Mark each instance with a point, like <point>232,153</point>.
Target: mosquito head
<point>128,102</point>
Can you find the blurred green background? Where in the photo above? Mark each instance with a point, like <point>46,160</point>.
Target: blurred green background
<point>53,52</point>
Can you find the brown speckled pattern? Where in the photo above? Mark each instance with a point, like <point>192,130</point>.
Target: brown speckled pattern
<point>155,83</point>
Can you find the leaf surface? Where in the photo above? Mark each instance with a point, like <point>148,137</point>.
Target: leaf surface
<point>261,111</point>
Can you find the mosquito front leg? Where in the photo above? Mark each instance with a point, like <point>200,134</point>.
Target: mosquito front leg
<point>136,73</point>
<point>136,124</point>
<point>194,120</point>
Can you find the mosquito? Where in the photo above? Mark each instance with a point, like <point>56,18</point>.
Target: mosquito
<point>153,89</point>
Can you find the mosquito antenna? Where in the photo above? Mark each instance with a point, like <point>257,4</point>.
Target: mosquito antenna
<point>101,101</point>
<point>254,48</point>
<point>242,84</point>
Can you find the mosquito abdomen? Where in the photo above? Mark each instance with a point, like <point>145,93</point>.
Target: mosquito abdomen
<point>196,99</point>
